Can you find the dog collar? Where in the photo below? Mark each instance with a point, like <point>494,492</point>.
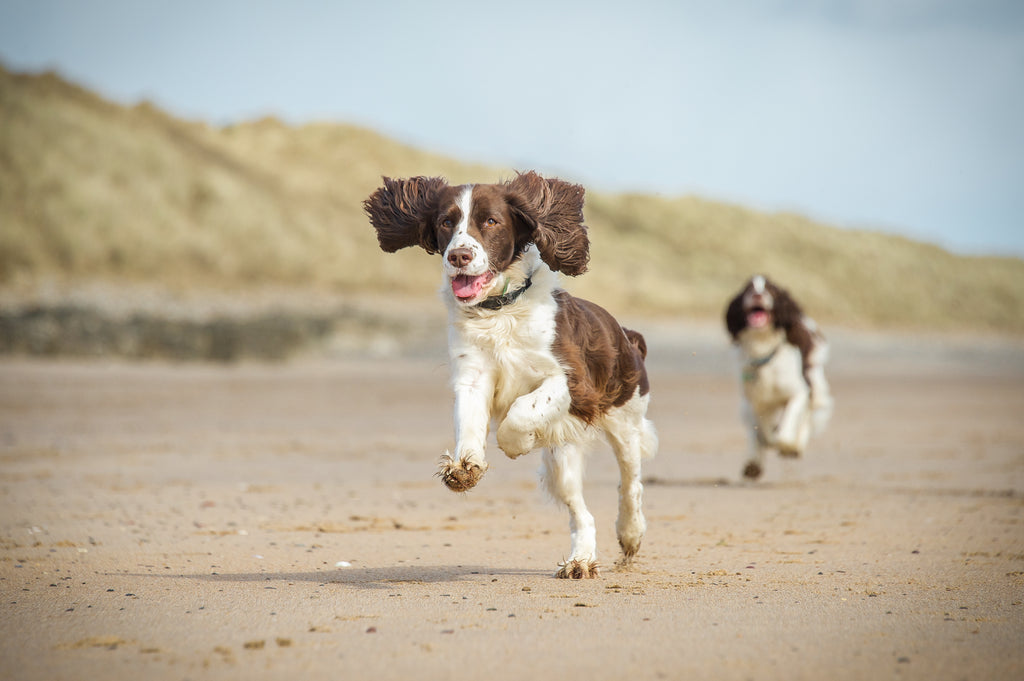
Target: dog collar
<point>506,298</point>
<point>759,362</point>
<point>751,369</point>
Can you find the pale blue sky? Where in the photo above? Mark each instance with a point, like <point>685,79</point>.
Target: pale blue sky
<point>900,115</point>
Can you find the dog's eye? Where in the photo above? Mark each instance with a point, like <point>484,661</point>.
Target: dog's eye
<point>491,222</point>
<point>446,223</point>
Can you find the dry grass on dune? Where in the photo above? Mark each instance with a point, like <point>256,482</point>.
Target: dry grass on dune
<point>98,191</point>
<point>92,191</point>
<point>694,253</point>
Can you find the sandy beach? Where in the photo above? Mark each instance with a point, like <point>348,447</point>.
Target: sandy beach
<point>204,521</point>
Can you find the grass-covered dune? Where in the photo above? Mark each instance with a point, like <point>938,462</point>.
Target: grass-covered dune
<point>92,192</point>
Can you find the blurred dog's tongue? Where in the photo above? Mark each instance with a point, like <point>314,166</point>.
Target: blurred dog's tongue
<point>467,286</point>
<point>757,318</point>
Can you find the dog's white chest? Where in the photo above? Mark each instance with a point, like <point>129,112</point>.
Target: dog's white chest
<point>513,346</point>
<point>775,380</point>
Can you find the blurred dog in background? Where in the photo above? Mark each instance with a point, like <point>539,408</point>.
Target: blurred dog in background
<point>782,355</point>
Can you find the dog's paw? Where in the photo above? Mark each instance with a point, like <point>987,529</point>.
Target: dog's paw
<point>752,471</point>
<point>629,530</point>
<point>459,476</point>
<point>630,547</point>
<point>577,569</point>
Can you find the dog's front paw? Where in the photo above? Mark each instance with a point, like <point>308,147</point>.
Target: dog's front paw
<point>578,569</point>
<point>459,476</point>
<point>752,471</point>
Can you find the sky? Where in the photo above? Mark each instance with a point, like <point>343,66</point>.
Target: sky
<point>903,116</point>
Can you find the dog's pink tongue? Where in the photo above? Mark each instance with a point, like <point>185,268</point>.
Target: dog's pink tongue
<point>466,286</point>
<point>757,318</point>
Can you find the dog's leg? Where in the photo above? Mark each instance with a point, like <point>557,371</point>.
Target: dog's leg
<point>803,433</point>
<point>633,439</point>
<point>563,476</point>
<point>814,371</point>
<point>474,389</point>
<point>759,443</point>
<point>531,414</point>
<point>820,393</point>
<point>794,426</point>
<point>821,399</point>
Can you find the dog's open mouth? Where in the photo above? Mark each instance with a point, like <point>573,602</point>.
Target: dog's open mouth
<point>466,287</point>
<point>757,317</point>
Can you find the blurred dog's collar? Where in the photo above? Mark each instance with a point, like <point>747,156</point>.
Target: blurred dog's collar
<point>759,362</point>
<point>753,365</point>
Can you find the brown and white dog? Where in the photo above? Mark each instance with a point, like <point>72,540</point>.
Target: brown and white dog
<point>551,370</point>
<point>783,355</point>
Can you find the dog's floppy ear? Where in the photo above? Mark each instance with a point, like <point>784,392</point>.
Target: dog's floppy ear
<point>552,211</point>
<point>735,320</point>
<point>786,311</point>
<point>402,212</point>
<point>790,317</point>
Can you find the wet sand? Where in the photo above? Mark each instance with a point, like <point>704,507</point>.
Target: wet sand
<point>186,521</point>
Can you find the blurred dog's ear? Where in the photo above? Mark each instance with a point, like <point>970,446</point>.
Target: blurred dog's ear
<point>403,212</point>
<point>551,210</point>
<point>790,317</point>
<point>786,311</point>
<point>735,319</point>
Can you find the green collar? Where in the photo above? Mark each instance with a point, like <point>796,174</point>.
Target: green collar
<point>759,362</point>
<point>753,365</point>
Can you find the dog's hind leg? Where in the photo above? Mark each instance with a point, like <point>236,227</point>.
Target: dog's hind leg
<point>633,439</point>
<point>794,425</point>
<point>821,399</point>
<point>563,476</point>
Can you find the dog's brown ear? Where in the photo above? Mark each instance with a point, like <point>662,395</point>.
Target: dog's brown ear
<point>402,212</point>
<point>735,320</point>
<point>552,211</point>
<point>790,317</point>
<point>786,311</point>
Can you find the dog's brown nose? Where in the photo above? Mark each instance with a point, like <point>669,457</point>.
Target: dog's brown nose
<point>460,257</point>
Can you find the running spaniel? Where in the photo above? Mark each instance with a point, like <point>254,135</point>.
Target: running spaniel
<point>783,355</point>
<point>550,370</point>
